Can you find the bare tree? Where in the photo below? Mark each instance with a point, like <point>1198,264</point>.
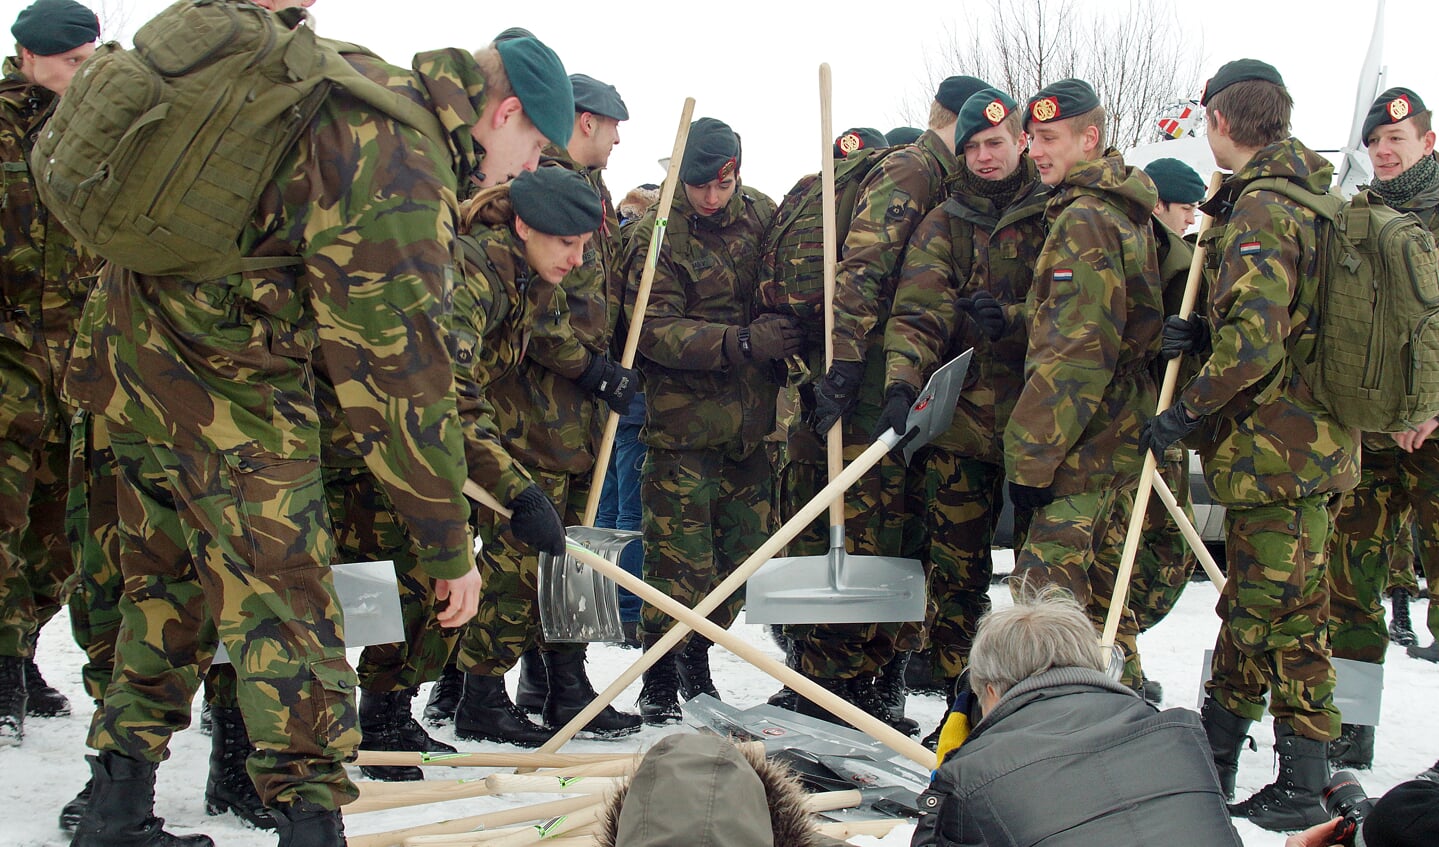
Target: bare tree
<point>114,19</point>
<point>1136,57</point>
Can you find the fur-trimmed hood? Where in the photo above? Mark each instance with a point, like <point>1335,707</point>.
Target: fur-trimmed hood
<point>704,791</point>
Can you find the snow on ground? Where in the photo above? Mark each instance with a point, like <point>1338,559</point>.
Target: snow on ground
<point>49,768</point>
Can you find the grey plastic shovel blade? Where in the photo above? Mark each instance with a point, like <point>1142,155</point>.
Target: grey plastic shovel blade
<point>577,603</point>
<point>841,587</point>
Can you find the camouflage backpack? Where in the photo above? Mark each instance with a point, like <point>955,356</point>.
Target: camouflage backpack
<point>792,259</point>
<point>156,157</point>
<point>1375,358</point>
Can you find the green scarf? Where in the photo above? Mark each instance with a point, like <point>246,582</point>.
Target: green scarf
<point>1403,188</point>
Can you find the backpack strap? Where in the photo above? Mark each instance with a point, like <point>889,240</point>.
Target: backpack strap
<point>961,242</point>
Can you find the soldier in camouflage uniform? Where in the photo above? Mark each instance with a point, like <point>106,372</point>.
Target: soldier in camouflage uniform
<point>967,271</point>
<point>884,509</point>
<point>215,425</point>
<point>1273,457</point>
<point>1398,488</point>
<point>1071,446</point>
<point>709,370</point>
<point>43,283</point>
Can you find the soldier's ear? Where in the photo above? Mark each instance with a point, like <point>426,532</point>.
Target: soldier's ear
<point>506,110</point>
<point>1428,142</point>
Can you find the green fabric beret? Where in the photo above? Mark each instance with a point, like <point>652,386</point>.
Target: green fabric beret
<point>956,89</point>
<point>48,27</point>
<point>985,109</point>
<point>539,80</point>
<point>1239,70</point>
<point>1176,181</point>
<point>858,138</point>
<point>1393,106</point>
<point>514,32</point>
<point>1057,101</point>
<point>712,152</point>
<point>598,98</point>
<point>901,135</point>
<point>556,201</point>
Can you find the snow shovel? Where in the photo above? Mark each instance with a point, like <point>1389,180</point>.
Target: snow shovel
<point>840,587</point>
<point>576,603</point>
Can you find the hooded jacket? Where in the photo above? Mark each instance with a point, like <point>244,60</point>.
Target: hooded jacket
<point>1071,758</point>
<point>1095,314</point>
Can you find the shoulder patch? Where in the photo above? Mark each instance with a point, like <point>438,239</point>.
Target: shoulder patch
<point>1063,275</point>
<point>1249,248</point>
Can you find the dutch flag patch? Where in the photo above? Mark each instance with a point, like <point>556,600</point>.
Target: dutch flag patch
<point>1248,248</point>
<point>1063,275</point>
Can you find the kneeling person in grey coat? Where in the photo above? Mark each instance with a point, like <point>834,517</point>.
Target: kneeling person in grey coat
<point>1064,755</point>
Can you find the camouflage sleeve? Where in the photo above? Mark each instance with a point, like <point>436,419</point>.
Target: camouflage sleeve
<point>923,316</point>
<point>553,342</point>
<point>1077,317</point>
<point>377,252</point>
<point>1249,301</point>
<point>891,202</point>
<point>668,337</point>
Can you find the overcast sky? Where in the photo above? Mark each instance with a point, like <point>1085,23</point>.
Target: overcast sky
<point>754,64</point>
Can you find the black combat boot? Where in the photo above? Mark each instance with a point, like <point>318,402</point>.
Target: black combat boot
<point>693,664</point>
<point>931,741</point>
<point>229,787</point>
<point>12,701</point>
<point>1354,748</point>
<point>631,629</point>
<point>571,691</point>
<point>1401,628</point>
<point>1432,774</point>
<point>864,693</point>
<point>444,697</point>
<point>530,693</point>
<point>42,700</point>
<point>206,719</point>
<point>121,811</point>
<point>388,724</point>
<point>891,688</point>
<point>1294,800</point>
<point>923,676</point>
<point>786,697</point>
<point>307,825</point>
<point>1227,733</point>
<point>659,701</point>
<point>72,811</point>
<point>838,687</point>
<point>1428,654</point>
<point>485,713</point>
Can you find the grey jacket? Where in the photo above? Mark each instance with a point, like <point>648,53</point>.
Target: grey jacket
<point>1069,757</point>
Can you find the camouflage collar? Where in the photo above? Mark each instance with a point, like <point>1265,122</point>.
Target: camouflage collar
<point>455,88</point>
<point>1286,159</point>
<point>1126,188</point>
<point>948,162</point>
<point>732,211</point>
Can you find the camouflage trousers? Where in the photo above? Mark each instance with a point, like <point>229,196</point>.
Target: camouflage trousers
<point>1273,639</point>
<point>1402,566</point>
<point>965,506</point>
<point>235,548</point>
<point>704,512</point>
<point>881,519</point>
<point>508,622</point>
<point>1164,563</point>
<point>1076,542</point>
<point>92,525</point>
<point>35,561</point>
<point>1397,496</point>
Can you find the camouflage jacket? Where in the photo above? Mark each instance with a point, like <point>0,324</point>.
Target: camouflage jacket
<point>895,196</point>
<point>1265,438</point>
<point>44,275</point>
<point>968,244</point>
<point>1096,312</point>
<point>448,82</point>
<point>229,364</point>
<point>705,282</point>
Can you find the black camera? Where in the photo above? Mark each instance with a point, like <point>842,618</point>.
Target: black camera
<point>1346,799</point>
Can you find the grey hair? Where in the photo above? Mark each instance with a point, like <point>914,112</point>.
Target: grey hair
<point>1045,628</point>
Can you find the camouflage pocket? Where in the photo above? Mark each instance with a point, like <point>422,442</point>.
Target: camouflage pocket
<point>15,328</point>
<point>283,522</point>
<point>332,712</point>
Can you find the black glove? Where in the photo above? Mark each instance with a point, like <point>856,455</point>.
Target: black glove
<point>534,521</point>
<point>1184,335</point>
<point>836,395</point>
<point>611,382</point>
<point>1026,498</point>
<point>768,336</point>
<point>985,311</point>
<point>897,400</point>
<point>1164,429</point>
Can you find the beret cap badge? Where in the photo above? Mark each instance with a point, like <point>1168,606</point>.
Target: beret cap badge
<point>995,111</point>
<point>850,142</point>
<point>727,169</point>
<point>1399,108</point>
<point>1045,110</point>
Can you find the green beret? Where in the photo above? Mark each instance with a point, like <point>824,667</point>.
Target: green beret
<point>858,138</point>
<point>1058,101</point>
<point>985,109</point>
<point>1239,70</point>
<point>556,201</point>
<point>49,27</point>
<point>539,80</point>
<point>1392,107</point>
<point>598,98</point>
<point>902,135</point>
<point>1176,181</point>
<point>956,89</point>
<point>712,152</point>
<point>513,32</point>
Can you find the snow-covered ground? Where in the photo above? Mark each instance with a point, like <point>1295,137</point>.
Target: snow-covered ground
<point>49,768</point>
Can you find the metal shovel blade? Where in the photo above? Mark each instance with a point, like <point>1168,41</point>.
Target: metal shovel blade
<point>577,604</point>
<point>840,587</point>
